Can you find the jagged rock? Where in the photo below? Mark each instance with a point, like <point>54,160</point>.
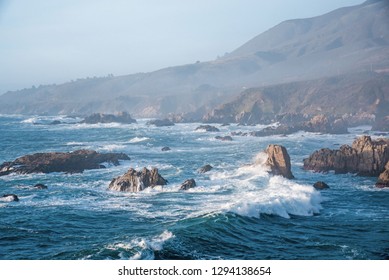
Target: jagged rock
<point>320,123</point>
<point>205,168</point>
<point>188,184</point>
<point>159,123</point>
<point>165,149</point>
<point>366,157</point>
<point>279,130</point>
<point>40,186</point>
<point>10,197</point>
<point>383,179</point>
<point>224,138</point>
<point>279,161</point>
<point>136,181</point>
<point>208,128</point>
<point>320,185</point>
<point>122,117</point>
<point>73,162</point>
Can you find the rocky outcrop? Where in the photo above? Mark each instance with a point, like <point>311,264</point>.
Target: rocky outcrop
<point>205,168</point>
<point>73,162</point>
<point>279,161</point>
<point>320,185</point>
<point>188,184</point>
<point>383,179</point>
<point>136,181</point>
<point>366,157</point>
<point>159,123</point>
<point>224,138</point>
<point>40,186</point>
<point>122,117</point>
<point>165,149</point>
<point>208,128</point>
<point>322,124</point>
<point>9,197</point>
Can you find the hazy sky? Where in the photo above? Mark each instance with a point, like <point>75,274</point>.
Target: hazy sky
<point>55,41</point>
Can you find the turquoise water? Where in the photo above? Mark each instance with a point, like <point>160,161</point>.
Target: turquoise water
<point>236,212</point>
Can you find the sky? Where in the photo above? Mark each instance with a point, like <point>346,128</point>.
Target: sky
<point>46,42</point>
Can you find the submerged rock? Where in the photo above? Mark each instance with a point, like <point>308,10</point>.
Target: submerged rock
<point>136,181</point>
<point>122,117</point>
<point>320,185</point>
<point>224,138</point>
<point>279,161</point>
<point>366,157</point>
<point>40,186</point>
<point>10,197</point>
<point>188,184</point>
<point>165,149</point>
<point>159,123</point>
<point>205,168</point>
<point>207,128</point>
<point>73,162</point>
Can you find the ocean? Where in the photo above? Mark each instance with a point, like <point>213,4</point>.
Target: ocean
<point>237,210</point>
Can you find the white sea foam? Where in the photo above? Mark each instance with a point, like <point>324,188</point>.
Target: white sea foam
<point>142,248</point>
<point>111,147</point>
<point>138,139</point>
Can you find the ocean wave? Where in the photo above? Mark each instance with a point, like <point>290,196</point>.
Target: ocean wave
<point>111,147</point>
<point>138,139</point>
<point>280,197</point>
<point>137,248</point>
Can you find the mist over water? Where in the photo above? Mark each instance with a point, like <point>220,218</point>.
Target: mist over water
<point>237,211</point>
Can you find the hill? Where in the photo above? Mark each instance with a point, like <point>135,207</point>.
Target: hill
<point>348,40</point>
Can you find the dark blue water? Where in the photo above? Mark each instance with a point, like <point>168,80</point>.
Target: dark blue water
<point>236,212</point>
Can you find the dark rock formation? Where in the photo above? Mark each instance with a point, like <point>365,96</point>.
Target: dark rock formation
<point>122,117</point>
<point>205,168</point>
<point>159,123</point>
<point>188,184</point>
<point>10,197</point>
<point>224,138</point>
<point>40,186</point>
<point>73,162</point>
<point>136,181</point>
<point>208,128</point>
<point>56,122</point>
<point>366,157</point>
<point>320,185</point>
<point>165,149</point>
<point>279,161</point>
<point>383,179</point>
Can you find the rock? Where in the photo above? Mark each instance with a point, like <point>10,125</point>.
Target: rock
<point>366,157</point>
<point>320,185</point>
<point>279,161</point>
<point>40,186</point>
<point>383,179</point>
<point>165,149</point>
<point>207,128</point>
<point>136,181</point>
<point>381,124</point>
<point>73,162</point>
<point>122,117</point>
<point>205,168</point>
<point>159,123</point>
<point>320,123</point>
<point>56,122</point>
<point>224,138</point>
<point>188,184</point>
<point>10,197</point>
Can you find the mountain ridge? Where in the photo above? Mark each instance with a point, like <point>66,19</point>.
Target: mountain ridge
<point>347,40</point>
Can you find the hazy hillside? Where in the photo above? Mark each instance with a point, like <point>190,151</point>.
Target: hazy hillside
<point>348,40</point>
<point>335,96</point>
